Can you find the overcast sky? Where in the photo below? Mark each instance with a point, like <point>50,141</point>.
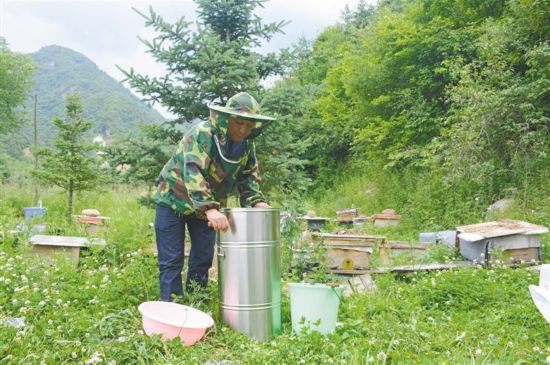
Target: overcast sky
<point>106,31</point>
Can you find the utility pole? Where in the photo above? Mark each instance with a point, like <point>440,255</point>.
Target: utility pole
<point>36,181</point>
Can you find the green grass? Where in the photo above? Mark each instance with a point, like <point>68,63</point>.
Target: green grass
<point>90,313</point>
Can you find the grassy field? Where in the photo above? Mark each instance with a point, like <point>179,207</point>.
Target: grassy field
<point>89,315</point>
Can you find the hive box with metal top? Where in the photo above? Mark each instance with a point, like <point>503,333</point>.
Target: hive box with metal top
<point>249,271</point>
<point>514,241</point>
<point>68,247</point>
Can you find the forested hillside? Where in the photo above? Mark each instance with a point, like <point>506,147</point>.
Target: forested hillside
<point>59,71</point>
<point>435,108</point>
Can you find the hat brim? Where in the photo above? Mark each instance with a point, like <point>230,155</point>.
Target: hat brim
<point>252,116</point>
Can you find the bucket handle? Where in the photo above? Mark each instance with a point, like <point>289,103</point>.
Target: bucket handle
<point>184,321</point>
<point>333,287</point>
<point>220,252</point>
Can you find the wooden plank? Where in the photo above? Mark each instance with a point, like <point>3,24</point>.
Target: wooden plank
<point>405,245</point>
<point>347,236</point>
<point>359,284</point>
<point>334,243</point>
<point>423,267</point>
<point>349,272</point>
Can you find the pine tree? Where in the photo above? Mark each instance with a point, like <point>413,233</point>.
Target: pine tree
<point>70,166</point>
<point>212,63</point>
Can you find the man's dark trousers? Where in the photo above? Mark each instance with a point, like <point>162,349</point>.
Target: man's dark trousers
<point>170,232</point>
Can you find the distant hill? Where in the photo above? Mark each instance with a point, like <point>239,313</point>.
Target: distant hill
<point>113,108</point>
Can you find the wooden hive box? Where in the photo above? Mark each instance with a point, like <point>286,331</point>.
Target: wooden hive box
<point>65,246</point>
<point>349,254</point>
<point>93,225</point>
<point>394,250</point>
<point>346,215</point>
<point>344,259</point>
<point>387,218</point>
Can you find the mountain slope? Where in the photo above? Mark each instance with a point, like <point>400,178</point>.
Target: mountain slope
<point>113,108</point>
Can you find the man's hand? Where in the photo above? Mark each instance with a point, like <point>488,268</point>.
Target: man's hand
<point>217,220</point>
<point>261,205</point>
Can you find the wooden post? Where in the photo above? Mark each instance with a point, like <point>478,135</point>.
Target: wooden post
<point>36,181</point>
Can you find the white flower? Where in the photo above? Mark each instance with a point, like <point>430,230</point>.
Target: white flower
<point>14,301</point>
<point>74,355</point>
<point>50,322</point>
<point>460,336</point>
<point>42,303</point>
<point>548,359</point>
<point>433,282</point>
<point>96,358</point>
<point>59,301</point>
<point>536,349</point>
<point>478,352</point>
<point>121,339</point>
<point>381,356</point>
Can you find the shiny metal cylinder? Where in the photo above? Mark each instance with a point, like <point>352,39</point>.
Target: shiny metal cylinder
<point>249,272</point>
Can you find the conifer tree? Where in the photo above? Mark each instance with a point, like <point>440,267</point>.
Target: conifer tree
<point>212,63</point>
<point>70,166</point>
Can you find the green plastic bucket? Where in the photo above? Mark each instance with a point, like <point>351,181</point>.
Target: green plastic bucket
<point>314,306</point>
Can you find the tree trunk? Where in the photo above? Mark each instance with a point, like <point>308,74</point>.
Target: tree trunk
<point>70,202</point>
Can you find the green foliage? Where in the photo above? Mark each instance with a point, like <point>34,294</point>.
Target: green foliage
<point>70,166</point>
<point>210,64</point>
<point>15,81</point>
<point>283,147</point>
<point>137,158</point>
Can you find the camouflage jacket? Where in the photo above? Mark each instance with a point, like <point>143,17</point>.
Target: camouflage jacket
<point>199,176</point>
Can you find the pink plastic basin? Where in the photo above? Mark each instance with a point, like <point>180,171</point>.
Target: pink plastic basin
<point>172,320</point>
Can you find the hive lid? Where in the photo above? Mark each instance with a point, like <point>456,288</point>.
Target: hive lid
<point>64,241</point>
<point>314,218</point>
<point>505,227</point>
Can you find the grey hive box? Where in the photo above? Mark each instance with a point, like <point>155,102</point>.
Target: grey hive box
<point>516,241</point>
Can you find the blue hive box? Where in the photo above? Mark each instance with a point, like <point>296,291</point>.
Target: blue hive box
<point>31,212</point>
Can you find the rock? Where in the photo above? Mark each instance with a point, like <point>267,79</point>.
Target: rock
<point>501,205</point>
